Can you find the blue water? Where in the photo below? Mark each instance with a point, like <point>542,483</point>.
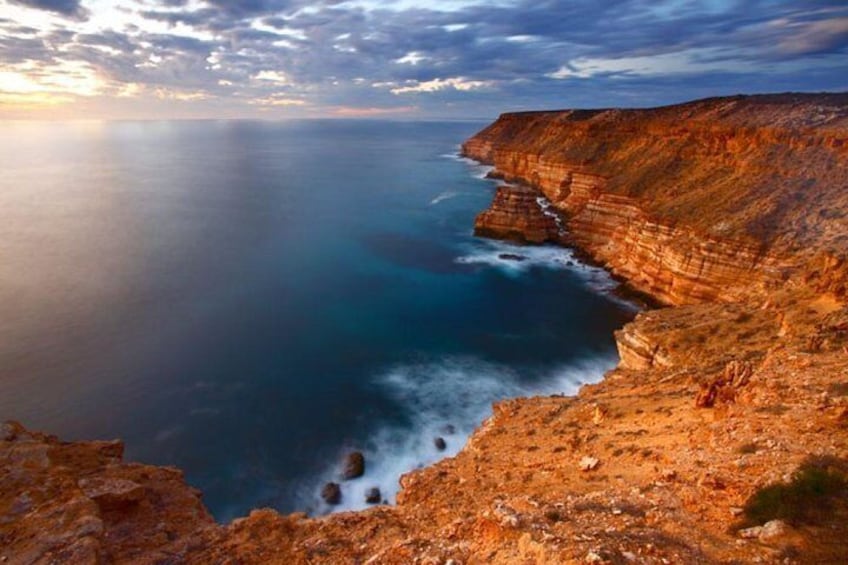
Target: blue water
<point>249,300</point>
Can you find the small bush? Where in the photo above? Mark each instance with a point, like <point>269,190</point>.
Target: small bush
<point>747,449</point>
<point>838,389</point>
<point>807,499</point>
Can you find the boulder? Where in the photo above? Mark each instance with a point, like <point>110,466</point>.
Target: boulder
<point>354,466</point>
<point>11,430</point>
<point>773,529</point>
<point>331,493</point>
<point>373,495</point>
<point>112,494</point>
<point>589,463</point>
<point>440,443</point>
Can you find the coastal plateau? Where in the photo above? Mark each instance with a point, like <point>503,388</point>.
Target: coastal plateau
<point>721,437</point>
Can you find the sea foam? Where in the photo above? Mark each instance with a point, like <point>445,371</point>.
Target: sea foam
<point>447,398</point>
<point>450,397</point>
<point>446,195</point>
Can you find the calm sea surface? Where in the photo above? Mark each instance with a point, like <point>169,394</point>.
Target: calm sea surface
<point>250,300</point>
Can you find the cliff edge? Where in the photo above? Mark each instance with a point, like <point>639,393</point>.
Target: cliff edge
<point>722,436</point>
<point>715,199</point>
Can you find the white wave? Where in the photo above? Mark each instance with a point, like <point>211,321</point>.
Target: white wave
<point>514,260</point>
<point>482,171</point>
<point>549,211</point>
<point>448,194</point>
<point>453,393</point>
<point>478,169</point>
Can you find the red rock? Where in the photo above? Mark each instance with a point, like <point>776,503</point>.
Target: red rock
<point>515,214</point>
<point>682,201</point>
<point>112,494</point>
<point>354,466</point>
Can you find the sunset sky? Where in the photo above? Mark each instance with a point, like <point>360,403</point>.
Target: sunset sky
<point>404,59</point>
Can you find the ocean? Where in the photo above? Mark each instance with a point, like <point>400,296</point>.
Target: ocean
<point>250,301</point>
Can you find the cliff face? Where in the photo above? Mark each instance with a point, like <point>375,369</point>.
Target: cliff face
<point>662,462</point>
<point>519,214</point>
<point>722,437</point>
<point>712,200</point>
<point>80,503</point>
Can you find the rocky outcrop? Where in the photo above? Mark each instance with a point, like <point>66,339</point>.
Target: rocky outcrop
<point>519,214</point>
<point>354,465</point>
<point>633,469</point>
<point>80,503</point>
<point>718,199</point>
<point>675,457</point>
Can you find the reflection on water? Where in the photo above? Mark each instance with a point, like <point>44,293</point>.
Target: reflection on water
<point>232,297</point>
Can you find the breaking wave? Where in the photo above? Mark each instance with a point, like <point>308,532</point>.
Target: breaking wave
<point>513,260</point>
<point>445,399</point>
<point>447,195</point>
<point>477,168</point>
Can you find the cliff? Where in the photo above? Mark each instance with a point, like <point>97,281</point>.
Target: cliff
<point>722,436</point>
<point>676,457</point>
<point>715,199</point>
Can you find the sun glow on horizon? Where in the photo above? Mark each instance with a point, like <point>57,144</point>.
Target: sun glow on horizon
<point>137,58</point>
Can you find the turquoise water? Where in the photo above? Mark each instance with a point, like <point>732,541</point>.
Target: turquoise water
<point>250,300</point>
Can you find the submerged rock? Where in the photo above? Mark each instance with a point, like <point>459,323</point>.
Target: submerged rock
<point>354,466</point>
<point>331,493</point>
<point>373,495</point>
<point>440,443</point>
<point>512,257</point>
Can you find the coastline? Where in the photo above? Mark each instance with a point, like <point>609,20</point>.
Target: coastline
<point>717,399</point>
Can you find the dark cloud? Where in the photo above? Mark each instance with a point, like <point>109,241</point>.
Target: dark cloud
<point>70,8</point>
<point>481,58</point>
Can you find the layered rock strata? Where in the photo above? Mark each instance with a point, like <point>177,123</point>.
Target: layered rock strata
<point>712,200</point>
<point>80,503</point>
<point>519,214</point>
<point>735,208</point>
<point>631,470</point>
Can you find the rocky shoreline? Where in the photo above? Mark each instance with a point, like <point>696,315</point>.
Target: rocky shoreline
<point>722,436</point>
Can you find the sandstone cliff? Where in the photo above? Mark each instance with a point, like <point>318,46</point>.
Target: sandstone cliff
<point>714,199</point>
<point>722,437</point>
<point>676,457</point>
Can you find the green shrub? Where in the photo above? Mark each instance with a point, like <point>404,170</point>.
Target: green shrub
<point>807,499</point>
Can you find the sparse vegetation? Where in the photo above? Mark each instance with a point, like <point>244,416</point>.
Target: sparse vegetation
<point>808,498</point>
<point>838,389</point>
<point>774,409</point>
<point>747,448</point>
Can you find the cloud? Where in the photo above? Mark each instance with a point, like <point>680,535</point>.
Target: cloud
<point>360,112</point>
<point>275,77</point>
<point>69,8</point>
<point>437,84</point>
<point>457,58</point>
<point>815,37</point>
<point>689,62</point>
<point>277,101</point>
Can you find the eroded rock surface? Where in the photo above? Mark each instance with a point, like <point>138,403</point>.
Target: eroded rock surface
<point>714,199</point>
<point>734,208</point>
<point>519,213</point>
<point>80,503</point>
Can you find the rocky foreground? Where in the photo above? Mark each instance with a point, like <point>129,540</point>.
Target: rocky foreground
<point>722,437</point>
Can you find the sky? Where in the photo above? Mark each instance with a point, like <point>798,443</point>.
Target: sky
<point>404,59</point>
